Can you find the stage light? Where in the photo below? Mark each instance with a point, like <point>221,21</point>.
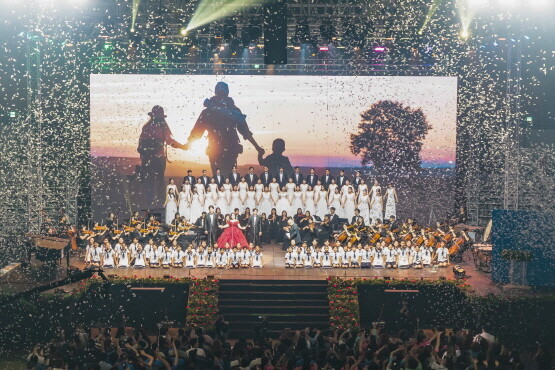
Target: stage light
<point>107,45</point>
<point>324,48</point>
<point>379,49</point>
<point>209,11</point>
<point>465,34</point>
<point>229,30</point>
<point>163,47</point>
<point>12,114</point>
<point>183,31</point>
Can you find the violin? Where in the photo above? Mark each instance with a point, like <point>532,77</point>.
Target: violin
<point>87,232</point>
<point>101,228</point>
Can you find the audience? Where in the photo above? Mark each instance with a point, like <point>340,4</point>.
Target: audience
<point>371,349</point>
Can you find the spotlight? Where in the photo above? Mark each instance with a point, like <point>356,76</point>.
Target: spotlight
<point>183,31</point>
<point>465,34</point>
<point>379,49</point>
<point>323,48</point>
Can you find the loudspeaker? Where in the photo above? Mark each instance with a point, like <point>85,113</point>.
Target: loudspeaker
<point>275,32</point>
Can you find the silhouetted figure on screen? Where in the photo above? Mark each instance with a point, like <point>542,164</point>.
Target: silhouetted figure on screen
<point>276,160</point>
<point>155,136</point>
<point>223,121</point>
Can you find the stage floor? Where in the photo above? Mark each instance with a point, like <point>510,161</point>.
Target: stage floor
<point>274,269</point>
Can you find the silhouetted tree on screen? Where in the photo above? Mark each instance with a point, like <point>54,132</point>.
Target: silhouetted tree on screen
<point>390,137</point>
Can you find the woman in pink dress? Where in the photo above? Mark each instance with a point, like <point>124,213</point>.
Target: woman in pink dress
<point>232,234</point>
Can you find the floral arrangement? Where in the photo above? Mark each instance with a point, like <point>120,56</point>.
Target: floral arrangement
<point>516,255</point>
<point>343,295</point>
<point>202,304</point>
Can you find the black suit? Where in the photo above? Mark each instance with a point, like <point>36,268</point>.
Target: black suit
<point>266,178</point>
<point>255,228</point>
<point>191,179</point>
<point>356,182</point>
<point>219,180</point>
<point>326,181</point>
<point>211,228</point>
<point>312,180</point>
<point>297,179</point>
<point>205,180</point>
<point>340,181</point>
<point>282,179</point>
<point>250,181</point>
<point>354,220</point>
<point>234,178</point>
<point>334,221</point>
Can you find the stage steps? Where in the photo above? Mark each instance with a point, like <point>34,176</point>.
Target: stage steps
<point>293,304</point>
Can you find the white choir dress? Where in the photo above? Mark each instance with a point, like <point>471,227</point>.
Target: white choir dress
<point>374,189</point>
<point>363,187</point>
<point>274,190</point>
<point>290,187</point>
<point>196,208</point>
<point>184,204</point>
<point>174,187</point>
<point>213,190</point>
<point>322,204</point>
<point>222,202</point>
<point>297,201</point>
<point>377,209</point>
<point>258,189</point>
<point>331,189</point>
<point>236,202</point>
<point>251,201</point>
<point>304,188</point>
<point>390,204</point>
<point>265,205</point>
<point>228,188</point>
<point>200,191</point>
<point>209,201</point>
<point>349,206</point>
<point>336,203</point>
<point>309,200</point>
<point>364,208</point>
<point>283,204</point>
<point>243,188</point>
<point>171,208</point>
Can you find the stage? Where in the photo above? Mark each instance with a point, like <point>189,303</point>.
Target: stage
<point>274,269</point>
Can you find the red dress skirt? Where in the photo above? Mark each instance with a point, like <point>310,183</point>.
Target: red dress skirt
<point>232,235</point>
